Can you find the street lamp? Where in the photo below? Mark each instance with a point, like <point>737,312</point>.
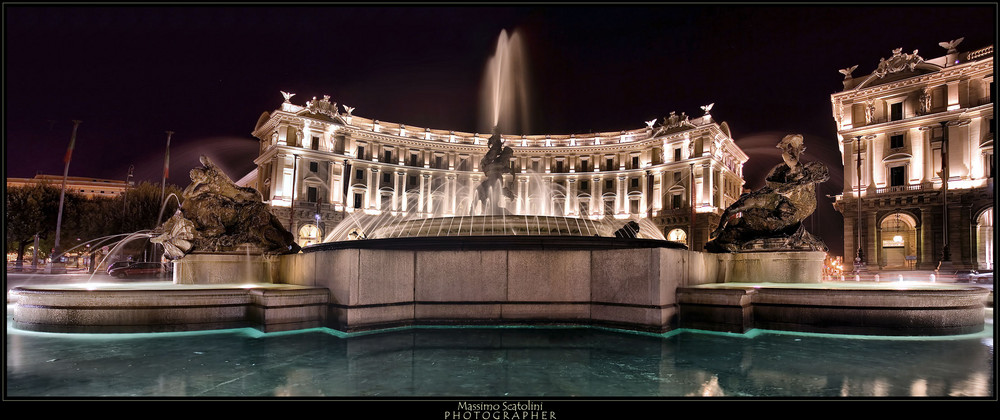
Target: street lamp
<point>859,259</point>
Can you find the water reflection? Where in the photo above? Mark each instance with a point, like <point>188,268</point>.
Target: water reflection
<point>494,362</point>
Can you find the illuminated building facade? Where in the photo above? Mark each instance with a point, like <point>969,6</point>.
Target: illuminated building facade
<point>317,165</point>
<point>916,137</point>
<point>87,187</point>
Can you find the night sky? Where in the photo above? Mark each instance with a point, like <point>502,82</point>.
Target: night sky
<point>131,73</point>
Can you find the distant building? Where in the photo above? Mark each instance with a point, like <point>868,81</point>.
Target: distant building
<point>916,137</point>
<point>324,165</point>
<point>87,187</point>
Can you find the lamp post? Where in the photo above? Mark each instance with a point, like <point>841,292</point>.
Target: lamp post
<point>56,266</point>
<point>859,259</point>
<point>691,203</point>
<point>945,250</point>
<point>291,217</point>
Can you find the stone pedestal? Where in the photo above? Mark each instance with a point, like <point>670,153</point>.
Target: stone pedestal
<point>772,267</point>
<point>223,269</point>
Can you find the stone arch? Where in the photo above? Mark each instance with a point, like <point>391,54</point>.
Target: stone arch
<point>676,235</point>
<point>899,240</point>
<point>984,237</point>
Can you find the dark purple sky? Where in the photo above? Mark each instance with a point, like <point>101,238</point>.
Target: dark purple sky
<point>131,73</point>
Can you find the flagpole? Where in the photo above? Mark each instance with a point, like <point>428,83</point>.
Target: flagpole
<point>166,168</point>
<point>56,266</point>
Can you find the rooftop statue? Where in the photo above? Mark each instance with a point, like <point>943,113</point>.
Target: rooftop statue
<point>217,215</point>
<point>770,219</point>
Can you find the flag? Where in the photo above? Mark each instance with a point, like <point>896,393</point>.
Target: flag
<point>69,151</point>
<point>166,158</point>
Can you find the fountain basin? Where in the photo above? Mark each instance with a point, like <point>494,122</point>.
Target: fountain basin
<point>906,308</point>
<point>524,280</point>
<point>635,284</point>
<point>164,307</point>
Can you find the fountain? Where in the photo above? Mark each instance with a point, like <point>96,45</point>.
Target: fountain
<point>501,260</point>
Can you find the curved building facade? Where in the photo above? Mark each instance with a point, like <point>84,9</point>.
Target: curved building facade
<point>916,139</point>
<point>318,165</point>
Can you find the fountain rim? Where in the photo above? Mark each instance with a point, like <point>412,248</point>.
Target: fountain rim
<point>496,242</point>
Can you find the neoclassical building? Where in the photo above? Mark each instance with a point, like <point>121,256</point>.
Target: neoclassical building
<point>916,137</point>
<point>318,165</point>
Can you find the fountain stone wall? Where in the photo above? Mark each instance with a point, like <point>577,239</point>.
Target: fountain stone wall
<point>224,268</point>
<point>628,283</point>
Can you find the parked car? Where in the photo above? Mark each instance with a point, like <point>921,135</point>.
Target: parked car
<point>982,277</point>
<point>142,269</point>
<point>974,276</point>
<point>118,264</point>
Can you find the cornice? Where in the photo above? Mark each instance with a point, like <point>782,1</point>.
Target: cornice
<point>924,79</point>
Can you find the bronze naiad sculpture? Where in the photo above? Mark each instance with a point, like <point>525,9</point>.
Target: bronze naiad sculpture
<point>770,219</point>
<point>217,215</point>
<point>494,164</point>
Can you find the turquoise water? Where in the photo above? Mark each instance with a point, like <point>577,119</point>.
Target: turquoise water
<point>482,362</point>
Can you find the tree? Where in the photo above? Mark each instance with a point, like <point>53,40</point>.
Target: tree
<point>33,209</point>
<point>30,210</point>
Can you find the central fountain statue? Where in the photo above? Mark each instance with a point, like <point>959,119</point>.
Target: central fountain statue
<point>495,164</point>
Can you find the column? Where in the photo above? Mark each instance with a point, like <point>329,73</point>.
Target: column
<point>869,157</point>
<point>644,198</point>
<point>398,191</point>
<point>570,208</point>
<point>373,194</point>
<point>621,195</point>
<point>927,258</point>
<point>595,196</point>
<point>871,245</point>
<point>706,184</point>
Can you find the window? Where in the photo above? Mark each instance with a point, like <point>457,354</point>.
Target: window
<point>357,200</point>
<point>609,185</point>
<point>609,164</point>
<point>896,111</point>
<point>360,174</point>
<point>387,156</point>
<point>635,162</point>
<point>677,154</point>
<point>559,166</point>
<point>677,177</point>
<point>386,178</point>
<point>413,159</point>
<point>635,182</point>
<point>897,176</point>
<point>675,201</point>
<point>312,194</point>
<point>583,165</point>
<point>413,181</point>
<point>361,152</point>
<point>584,185</point>
<point>896,141</point>
<point>439,162</point>
<point>313,166</point>
<point>315,143</point>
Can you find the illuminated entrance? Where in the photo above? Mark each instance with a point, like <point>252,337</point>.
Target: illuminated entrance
<point>899,241</point>
<point>984,239</point>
